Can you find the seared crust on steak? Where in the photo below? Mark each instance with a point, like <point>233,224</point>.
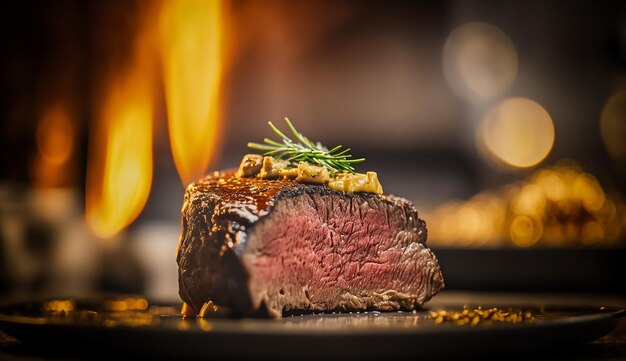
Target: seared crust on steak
<point>262,247</point>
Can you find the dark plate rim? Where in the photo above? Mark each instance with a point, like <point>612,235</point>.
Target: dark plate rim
<point>273,327</point>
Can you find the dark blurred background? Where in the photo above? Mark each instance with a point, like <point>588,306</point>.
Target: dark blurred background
<point>504,122</point>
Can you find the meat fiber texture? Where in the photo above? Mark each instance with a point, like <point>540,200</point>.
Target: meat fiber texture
<point>265,247</point>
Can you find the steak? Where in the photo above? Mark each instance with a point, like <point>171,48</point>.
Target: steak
<point>263,247</point>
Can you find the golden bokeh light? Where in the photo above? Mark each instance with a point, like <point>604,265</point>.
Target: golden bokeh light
<point>478,221</point>
<point>552,184</point>
<point>525,231</point>
<point>479,61</point>
<point>587,189</point>
<point>59,306</point>
<point>613,126</point>
<point>556,206</point>
<point>55,134</point>
<point>592,233</point>
<point>530,200</point>
<point>518,132</point>
<point>192,58</point>
<point>119,172</point>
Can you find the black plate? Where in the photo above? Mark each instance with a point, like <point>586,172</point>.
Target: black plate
<point>580,269</point>
<point>127,327</point>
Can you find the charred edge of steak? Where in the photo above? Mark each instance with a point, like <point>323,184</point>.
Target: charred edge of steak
<point>201,268</point>
<point>218,214</point>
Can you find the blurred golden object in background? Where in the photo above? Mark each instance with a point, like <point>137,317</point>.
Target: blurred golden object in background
<point>518,132</point>
<point>55,144</point>
<point>556,206</point>
<point>59,306</point>
<point>55,135</point>
<point>613,128</point>
<point>479,61</point>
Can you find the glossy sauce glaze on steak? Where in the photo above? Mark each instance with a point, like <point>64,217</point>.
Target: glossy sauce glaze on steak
<point>263,247</point>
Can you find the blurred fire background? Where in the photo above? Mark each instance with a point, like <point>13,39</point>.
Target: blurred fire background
<point>504,122</point>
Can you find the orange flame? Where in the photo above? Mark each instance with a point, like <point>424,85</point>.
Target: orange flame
<point>192,74</point>
<point>55,143</point>
<point>119,176</point>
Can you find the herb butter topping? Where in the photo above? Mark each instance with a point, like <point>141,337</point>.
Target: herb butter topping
<point>306,161</point>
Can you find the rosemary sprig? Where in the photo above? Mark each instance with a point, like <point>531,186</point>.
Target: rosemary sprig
<point>336,160</point>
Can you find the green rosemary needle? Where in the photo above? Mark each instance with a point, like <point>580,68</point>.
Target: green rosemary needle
<point>302,149</point>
